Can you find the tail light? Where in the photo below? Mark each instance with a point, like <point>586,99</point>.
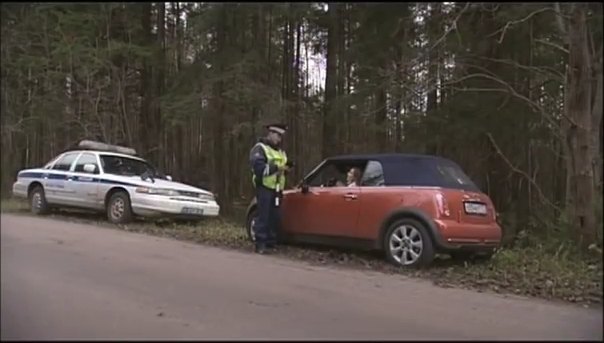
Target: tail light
<point>442,205</point>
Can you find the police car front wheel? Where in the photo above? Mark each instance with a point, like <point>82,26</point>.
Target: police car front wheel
<point>119,210</point>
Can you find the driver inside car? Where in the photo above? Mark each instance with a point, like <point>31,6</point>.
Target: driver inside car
<point>353,178</point>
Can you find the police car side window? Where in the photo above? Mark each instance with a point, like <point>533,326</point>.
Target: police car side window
<point>64,163</point>
<point>86,159</point>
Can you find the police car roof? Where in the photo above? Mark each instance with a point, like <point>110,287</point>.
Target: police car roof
<point>110,153</point>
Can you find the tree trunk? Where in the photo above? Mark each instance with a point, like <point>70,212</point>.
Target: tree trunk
<point>381,133</point>
<point>579,112</point>
<point>329,146</point>
<point>146,84</point>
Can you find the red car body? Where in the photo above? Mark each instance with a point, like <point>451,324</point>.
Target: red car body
<point>427,196</point>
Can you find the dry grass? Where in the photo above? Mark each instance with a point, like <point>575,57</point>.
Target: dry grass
<point>550,271</point>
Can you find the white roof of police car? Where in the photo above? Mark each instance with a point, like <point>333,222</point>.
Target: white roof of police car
<point>111,153</point>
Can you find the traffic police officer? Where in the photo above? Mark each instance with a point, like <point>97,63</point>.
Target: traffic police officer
<point>269,166</point>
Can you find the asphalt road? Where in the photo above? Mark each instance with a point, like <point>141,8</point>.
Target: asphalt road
<point>67,281</point>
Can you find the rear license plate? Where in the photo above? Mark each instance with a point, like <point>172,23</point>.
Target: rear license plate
<point>475,208</point>
<point>192,210</point>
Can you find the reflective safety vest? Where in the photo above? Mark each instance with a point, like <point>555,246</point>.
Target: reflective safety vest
<point>278,158</point>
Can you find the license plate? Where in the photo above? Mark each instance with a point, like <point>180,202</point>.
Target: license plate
<point>475,208</point>
<point>192,210</point>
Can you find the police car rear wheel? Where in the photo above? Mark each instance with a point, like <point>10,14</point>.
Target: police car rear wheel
<point>118,208</point>
<point>37,200</point>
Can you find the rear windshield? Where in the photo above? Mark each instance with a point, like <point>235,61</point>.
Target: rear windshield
<point>429,172</point>
<point>453,176</point>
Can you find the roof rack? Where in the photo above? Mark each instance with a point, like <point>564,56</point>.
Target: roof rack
<point>92,145</point>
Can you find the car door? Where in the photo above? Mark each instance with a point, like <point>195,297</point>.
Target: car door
<point>326,210</point>
<point>85,183</point>
<point>56,187</point>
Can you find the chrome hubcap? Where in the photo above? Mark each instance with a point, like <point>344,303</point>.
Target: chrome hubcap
<point>117,209</point>
<point>36,201</point>
<point>406,245</point>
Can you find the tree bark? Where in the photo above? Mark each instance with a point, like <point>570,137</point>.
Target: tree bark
<point>579,134</point>
<point>329,146</point>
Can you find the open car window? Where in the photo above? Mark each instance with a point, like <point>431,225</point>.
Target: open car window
<point>334,173</point>
<point>327,176</point>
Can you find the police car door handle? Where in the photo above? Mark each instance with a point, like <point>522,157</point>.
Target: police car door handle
<point>350,196</point>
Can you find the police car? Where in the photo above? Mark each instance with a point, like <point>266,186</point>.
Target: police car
<point>111,179</point>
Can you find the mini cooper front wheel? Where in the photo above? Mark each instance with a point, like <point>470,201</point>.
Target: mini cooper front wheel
<point>119,210</point>
<point>37,201</point>
<point>249,225</point>
<point>408,244</point>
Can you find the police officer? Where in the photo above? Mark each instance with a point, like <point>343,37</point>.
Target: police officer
<point>269,167</point>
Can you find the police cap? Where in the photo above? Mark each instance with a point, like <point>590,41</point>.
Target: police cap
<point>278,128</point>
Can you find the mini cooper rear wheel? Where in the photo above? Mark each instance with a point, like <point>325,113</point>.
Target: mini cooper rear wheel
<point>408,244</point>
<point>37,201</point>
<point>119,210</point>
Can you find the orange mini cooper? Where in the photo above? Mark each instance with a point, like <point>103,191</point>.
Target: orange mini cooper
<point>409,206</point>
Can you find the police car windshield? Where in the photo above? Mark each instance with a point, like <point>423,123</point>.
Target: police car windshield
<point>124,166</point>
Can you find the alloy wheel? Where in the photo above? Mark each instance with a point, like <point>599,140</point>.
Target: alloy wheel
<point>406,245</point>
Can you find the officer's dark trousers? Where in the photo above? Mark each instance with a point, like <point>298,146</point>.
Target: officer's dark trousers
<point>268,217</point>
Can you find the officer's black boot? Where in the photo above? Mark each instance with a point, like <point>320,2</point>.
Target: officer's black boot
<point>261,249</point>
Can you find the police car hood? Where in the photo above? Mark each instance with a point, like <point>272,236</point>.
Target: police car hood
<point>165,184</point>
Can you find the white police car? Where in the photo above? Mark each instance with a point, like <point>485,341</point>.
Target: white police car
<point>110,178</point>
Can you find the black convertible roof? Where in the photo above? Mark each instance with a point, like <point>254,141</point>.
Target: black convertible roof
<point>383,157</point>
<point>415,170</point>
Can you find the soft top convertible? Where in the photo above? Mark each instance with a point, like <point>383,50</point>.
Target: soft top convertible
<point>417,170</point>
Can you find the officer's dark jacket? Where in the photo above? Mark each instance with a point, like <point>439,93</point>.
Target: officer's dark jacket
<point>258,161</point>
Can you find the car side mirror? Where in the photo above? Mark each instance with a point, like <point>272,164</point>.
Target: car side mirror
<point>304,188</point>
<point>168,177</point>
<point>89,168</point>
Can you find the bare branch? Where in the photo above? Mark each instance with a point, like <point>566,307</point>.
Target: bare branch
<point>521,172</point>
<point>538,69</point>
<point>561,26</point>
<point>514,22</point>
<point>452,27</point>
<point>511,90</point>
<point>553,45</point>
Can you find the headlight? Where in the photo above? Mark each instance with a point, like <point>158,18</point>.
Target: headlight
<point>207,197</point>
<point>156,191</point>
